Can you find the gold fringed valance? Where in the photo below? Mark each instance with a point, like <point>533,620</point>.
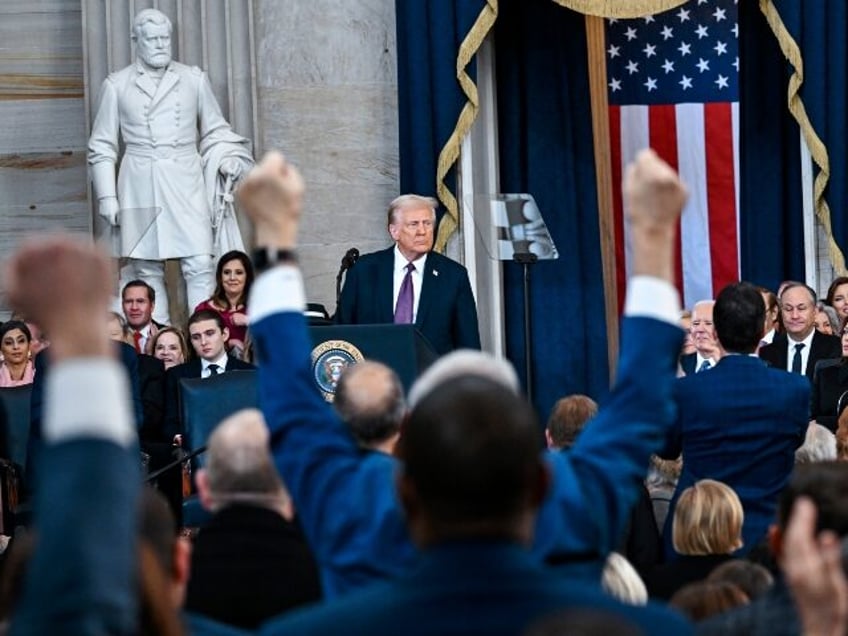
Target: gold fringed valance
<point>450,152</point>
<point>818,150</point>
<point>620,8</point>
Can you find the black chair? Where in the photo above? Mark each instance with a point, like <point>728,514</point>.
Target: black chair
<point>13,451</point>
<point>203,404</point>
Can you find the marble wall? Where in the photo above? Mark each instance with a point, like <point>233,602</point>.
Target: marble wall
<point>327,87</point>
<point>42,139</point>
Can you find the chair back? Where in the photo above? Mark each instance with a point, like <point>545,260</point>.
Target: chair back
<point>16,402</point>
<point>204,402</point>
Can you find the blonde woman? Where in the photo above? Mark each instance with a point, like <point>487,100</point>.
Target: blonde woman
<point>706,531</point>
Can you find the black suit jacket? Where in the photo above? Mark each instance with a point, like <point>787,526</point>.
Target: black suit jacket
<point>151,380</point>
<point>688,362</point>
<point>447,315</point>
<point>249,564</point>
<point>822,347</point>
<point>190,369</point>
<point>829,385</point>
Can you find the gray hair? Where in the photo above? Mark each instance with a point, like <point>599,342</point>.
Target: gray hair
<point>621,581</point>
<point>832,317</point>
<point>819,446</point>
<point>410,202</point>
<point>149,16</point>
<point>239,463</point>
<point>464,362</point>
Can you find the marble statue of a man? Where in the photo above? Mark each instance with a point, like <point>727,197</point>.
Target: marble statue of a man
<point>179,151</point>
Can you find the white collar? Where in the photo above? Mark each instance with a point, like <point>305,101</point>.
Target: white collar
<point>221,361</point>
<point>401,262</point>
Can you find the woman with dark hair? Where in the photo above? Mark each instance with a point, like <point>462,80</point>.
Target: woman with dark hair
<point>233,279</point>
<point>837,297</point>
<point>15,342</point>
<point>830,388</point>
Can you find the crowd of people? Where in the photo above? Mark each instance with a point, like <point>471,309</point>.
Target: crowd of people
<point>701,496</point>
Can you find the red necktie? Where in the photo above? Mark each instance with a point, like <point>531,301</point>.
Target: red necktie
<point>137,341</point>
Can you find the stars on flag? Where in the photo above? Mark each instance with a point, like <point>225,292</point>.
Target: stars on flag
<point>691,50</point>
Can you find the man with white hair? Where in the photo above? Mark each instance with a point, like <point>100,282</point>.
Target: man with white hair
<point>349,511</point>
<point>707,350</point>
<point>410,284</point>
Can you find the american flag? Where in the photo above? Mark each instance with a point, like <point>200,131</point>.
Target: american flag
<point>673,81</point>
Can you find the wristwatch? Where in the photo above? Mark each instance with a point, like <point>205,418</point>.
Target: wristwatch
<point>266,257</point>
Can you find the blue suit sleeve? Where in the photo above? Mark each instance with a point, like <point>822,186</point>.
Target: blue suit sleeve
<point>596,484</point>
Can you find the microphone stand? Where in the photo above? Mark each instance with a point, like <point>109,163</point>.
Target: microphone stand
<point>177,462</point>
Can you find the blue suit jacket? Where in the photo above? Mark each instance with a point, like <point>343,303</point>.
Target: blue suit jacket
<point>740,423</point>
<point>486,588</point>
<point>447,315</point>
<point>81,579</point>
<point>347,504</point>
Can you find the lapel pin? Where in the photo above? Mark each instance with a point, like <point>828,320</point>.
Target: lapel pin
<point>435,272</point>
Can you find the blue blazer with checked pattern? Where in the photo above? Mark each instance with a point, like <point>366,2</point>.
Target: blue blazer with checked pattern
<point>739,423</point>
<point>447,316</point>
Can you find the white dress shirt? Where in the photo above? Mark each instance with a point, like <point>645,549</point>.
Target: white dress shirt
<point>221,361</point>
<point>805,352</point>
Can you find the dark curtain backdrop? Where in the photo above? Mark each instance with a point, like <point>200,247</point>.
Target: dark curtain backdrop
<point>546,149</point>
<point>429,96</point>
<point>771,216</point>
<point>820,30</point>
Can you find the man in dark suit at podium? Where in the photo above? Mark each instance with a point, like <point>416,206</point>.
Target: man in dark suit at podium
<point>408,283</point>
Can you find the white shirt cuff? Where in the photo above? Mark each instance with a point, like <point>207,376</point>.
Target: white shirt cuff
<point>88,397</point>
<point>649,297</point>
<point>278,290</point>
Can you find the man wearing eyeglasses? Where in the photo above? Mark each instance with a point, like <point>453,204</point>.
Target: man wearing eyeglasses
<point>410,284</point>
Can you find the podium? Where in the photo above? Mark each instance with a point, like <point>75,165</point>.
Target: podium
<point>400,347</point>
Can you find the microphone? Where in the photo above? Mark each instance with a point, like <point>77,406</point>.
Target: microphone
<point>350,257</point>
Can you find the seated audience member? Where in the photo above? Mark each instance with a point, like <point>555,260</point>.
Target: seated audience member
<point>169,346</point>
<point>752,578</point>
<point>39,340</point>
<point>471,482</point>
<point>707,351</point>
<point>770,323</point>
<point>369,399</point>
<point>640,544</point>
<point>707,529</point>
<point>621,581</point>
<point>837,297</point>
<point>661,482</point>
<point>824,488</point>
<point>819,446</point>
<point>830,388</point>
<point>117,328</point>
<point>567,419</point>
<point>233,279</point>
<point>702,600</point>
<point>741,422</point>
<point>208,337</point>
<point>17,367</point>
<point>250,560</point>
<point>827,322</point>
<point>801,347</point>
<point>138,300</point>
<point>350,514</point>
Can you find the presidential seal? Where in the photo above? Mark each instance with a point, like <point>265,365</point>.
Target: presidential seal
<point>329,359</point>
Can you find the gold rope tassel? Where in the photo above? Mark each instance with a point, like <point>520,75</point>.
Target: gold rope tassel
<point>619,9</point>
<point>818,150</point>
<point>450,152</point>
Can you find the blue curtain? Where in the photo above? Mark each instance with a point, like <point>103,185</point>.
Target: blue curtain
<point>546,149</point>
<point>771,219</point>
<point>820,30</point>
<point>430,98</point>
